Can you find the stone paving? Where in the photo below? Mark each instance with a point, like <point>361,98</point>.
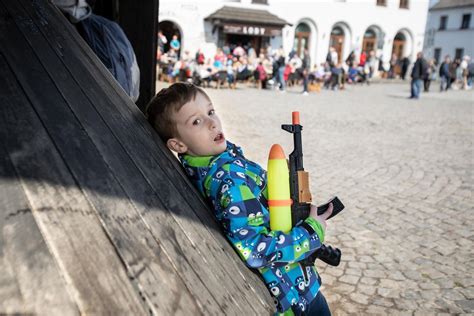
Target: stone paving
<point>404,170</point>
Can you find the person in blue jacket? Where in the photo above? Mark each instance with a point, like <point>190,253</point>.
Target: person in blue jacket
<point>185,119</point>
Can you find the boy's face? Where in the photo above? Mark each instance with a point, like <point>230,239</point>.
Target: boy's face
<point>199,129</point>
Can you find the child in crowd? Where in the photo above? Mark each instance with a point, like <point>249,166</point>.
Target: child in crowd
<point>185,119</point>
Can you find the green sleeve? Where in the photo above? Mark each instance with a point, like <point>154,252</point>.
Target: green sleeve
<point>317,226</point>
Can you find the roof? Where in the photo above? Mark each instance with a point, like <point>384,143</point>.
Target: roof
<point>235,14</point>
<point>452,4</point>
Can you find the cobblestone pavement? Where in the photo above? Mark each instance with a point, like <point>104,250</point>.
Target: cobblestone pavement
<point>404,170</point>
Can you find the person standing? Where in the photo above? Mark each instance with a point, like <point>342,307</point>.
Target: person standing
<point>404,66</point>
<point>371,64</point>
<point>429,75</point>
<point>464,71</point>
<point>419,69</point>
<point>332,57</point>
<point>306,64</point>
<point>162,41</point>
<point>470,76</point>
<point>350,59</point>
<point>393,64</point>
<point>362,59</point>
<point>453,68</point>
<point>444,75</point>
<point>281,68</point>
<point>175,44</point>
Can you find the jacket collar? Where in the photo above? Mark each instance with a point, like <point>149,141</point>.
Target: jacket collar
<point>206,161</point>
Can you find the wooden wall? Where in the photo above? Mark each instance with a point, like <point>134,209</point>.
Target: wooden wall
<point>96,216</point>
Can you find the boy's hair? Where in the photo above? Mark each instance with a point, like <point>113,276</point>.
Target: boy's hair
<point>166,102</point>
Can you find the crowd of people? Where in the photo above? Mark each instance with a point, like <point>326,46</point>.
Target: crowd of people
<point>457,74</point>
<point>273,69</point>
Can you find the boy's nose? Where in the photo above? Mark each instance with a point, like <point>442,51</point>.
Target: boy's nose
<point>212,123</point>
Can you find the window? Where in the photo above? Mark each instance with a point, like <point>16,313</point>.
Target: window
<point>382,2</point>
<point>403,4</point>
<point>459,53</point>
<point>466,20</point>
<point>437,55</point>
<point>260,1</point>
<point>442,22</point>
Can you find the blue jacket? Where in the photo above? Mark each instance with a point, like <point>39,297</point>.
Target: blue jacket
<point>237,189</point>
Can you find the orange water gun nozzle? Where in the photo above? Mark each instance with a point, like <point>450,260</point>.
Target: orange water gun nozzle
<point>295,117</point>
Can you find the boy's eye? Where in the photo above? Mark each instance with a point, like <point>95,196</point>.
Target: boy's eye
<point>196,121</point>
<point>212,112</point>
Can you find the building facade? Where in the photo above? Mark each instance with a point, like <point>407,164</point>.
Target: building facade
<point>450,30</point>
<point>386,26</point>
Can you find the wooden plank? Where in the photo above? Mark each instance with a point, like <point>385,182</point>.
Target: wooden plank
<point>149,154</point>
<point>190,205</point>
<point>144,152</point>
<point>138,262</point>
<point>160,285</point>
<point>69,225</point>
<point>30,281</point>
<point>11,299</point>
<point>213,251</point>
<point>121,165</point>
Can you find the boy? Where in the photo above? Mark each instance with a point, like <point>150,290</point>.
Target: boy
<point>185,119</point>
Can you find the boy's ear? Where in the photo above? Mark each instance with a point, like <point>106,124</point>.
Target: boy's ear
<point>176,145</point>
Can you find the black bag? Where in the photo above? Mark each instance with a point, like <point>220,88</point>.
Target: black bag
<point>113,48</point>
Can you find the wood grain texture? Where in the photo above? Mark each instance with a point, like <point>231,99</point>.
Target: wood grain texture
<point>70,227</point>
<point>114,207</point>
<point>119,120</point>
<point>164,173</point>
<point>30,280</point>
<point>153,275</point>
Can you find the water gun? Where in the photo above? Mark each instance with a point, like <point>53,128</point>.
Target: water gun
<point>289,197</point>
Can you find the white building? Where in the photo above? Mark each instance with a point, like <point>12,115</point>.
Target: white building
<point>388,26</point>
<point>450,29</point>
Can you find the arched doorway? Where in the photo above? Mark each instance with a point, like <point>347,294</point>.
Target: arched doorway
<point>398,49</point>
<point>399,45</point>
<point>169,29</point>
<point>370,41</point>
<point>302,36</point>
<point>337,41</point>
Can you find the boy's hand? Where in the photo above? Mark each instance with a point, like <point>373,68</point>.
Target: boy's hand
<point>323,217</point>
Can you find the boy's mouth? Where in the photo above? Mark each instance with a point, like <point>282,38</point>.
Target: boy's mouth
<point>219,138</point>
